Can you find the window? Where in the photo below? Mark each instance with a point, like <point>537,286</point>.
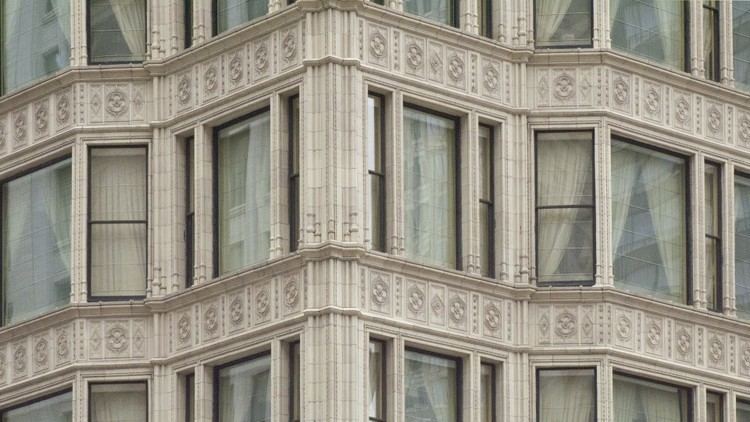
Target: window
<point>35,41</point>
<point>743,411</point>
<point>294,146</point>
<point>377,374</point>
<point>637,399</point>
<point>432,387</point>
<point>649,221</point>
<point>430,187</point>
<point>243,187</point>
<point>36,242</point>
<point>187,10</point>
<point>715,407</point>
<point>117,31</point>
<point>376,169</point>
<point>295,385</point>
<point>566,395</point>
<point>653,29</point>
<point>441,11</point>
<point>487,200</point>
<point>53,408</point>
<point>711,41</point>
<point>117,402</point>
<point>563,23</point>
<point>189,213</point>
<point>243,390</point>
<point>118,222</point>
<point>712,202</point>
<point>231,13</point>
<point>741,30</point>
<point>190,398</point>
<point>380,2</point>
<point>488,392</point>
<point>742,245</point>
<point>565,207</point>
<point>485,18</point>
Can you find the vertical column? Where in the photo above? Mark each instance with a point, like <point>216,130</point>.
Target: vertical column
<point>604,250</point>
<point>78,38</point>
<point>525,241</point>
<point>695,19</point>
<point>728,246</point>
<point>469,172</point>
<point>726,35</point>
<point>698,221</point>
<point>469,12</point>
<point>279,175</point>
<point>78,226</point>
<point>395,184</point>
<point>203,158</point>
<point>203,393</point>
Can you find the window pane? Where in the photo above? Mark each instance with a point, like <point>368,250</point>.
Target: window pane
<point>714,407</point>
<point>231,13</point>
<point>376,169</point>
<point>743,411</point>
<point>35,40</point>
<point>244,391</point>
<point>127,402</point>
<point>117,31</point>
<point>485,18</point>
<point>487,385</point>
<point>741,29</point>
<point>637,399</point>
<point>431,390</point>
<point>742,245</point>
<point>244,193</point>
<point>653,29</point>
<point>376,210</point>
<point>485,163</point>
<point>711,198</point>
<point>430,187</point>
<point>563,23</point>
<point>567,395</point>
<point>437,10</point>
<point>36,242</point>
<point>565,244</point>
<point>374,134</point>
<point>649,203</point>
<point>712,271</point>
<point>564,168</point>
<point>118,259</point>
<point>294,350</point>
<point>710,42</point>
<point>376,366</point>
<point>485,237</point>
<point>54,409</point>
<point>118,182</point>
<point>190,398</point>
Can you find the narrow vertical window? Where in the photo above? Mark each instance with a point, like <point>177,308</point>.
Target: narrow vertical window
<point>565,207</point>
<point>242,390</point>
<point>432,387</point>
<point>743,411</point>
<point>190,398</point>
<point>711,42</point>
<point>715,407</point>
<point>441,11</point>
<point>487,201</point>
<point>563,23</point>
<point>485,18</point>
<point>742,245</point>
<point>376,169</point>
<point>431,196</point>
<point>231,13</point>
<point>294,145</point>
<point>638,399</point>
<point>295,384</point>
<point>567,395</point>
<point>115,402</point>
<point>243,186</point>
<point>56,408</point>
<point>377,381</point>
<point>488,392</point>
<point>741,36</point>
<point>118,222</point>
<point>188,15</point>
<point>712,202</point>
<point>189,213</point>
<point>117,31</point>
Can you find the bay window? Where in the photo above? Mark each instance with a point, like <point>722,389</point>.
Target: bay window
<point>711,40</point>
<point>117,31</point>
<point>243,184</point>
<point>118,402</point>
<point>741,31</point>
<point>430,187</point>
<point>55,408</point>
<point>712,214</point>
<point>441,11</point>
<point>742,245</point>
<point>432,387</point>
<point>649,221</point>
<point>562,23</point>
<point>486,200</point>
<point>242,390</point>
<point>35,39</point>
<point>231,13</point>
<point>638,399</point>
<point>566,395</point>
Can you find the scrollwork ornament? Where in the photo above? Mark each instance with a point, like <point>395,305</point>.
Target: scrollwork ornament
<point>20,125</point>
<point>183,328</point>
<point>41,117</point>
<point>63,109</point>
<point>716,349</point>
<point>289,44</point>
<point>262,303</point>
<point>379,291</point>
<point>291,293</point>
<point>377,44</point>
<point>436,63</point>
<point>235,310</point>
<point>746,357</point>
<point>653,336</point>
<point>211,319</point>
<point>117,103</point>
<point>261,57</point>
<point>183,90</point>
<point>415,298</point>
<point>682,110</point>
<point>622,91</point>
<point>414,55</point>
<point>3,134</point>
<point>455,68</point>
<point>564,87</point>
<point>624,328</point>
<point>714,119</point>
<point>235,69</point>
<point>437,305</point>
<point>19,359</point>
<point>653,100</point>
<point>566,324</point>
<point>211,79</point>
<point>62,344</point>
<point>491,78</point>
<point>683,341</point>
<point>41,352</point>
<point>2,366</point>
<point>457,309</point>
<point>544,325</point>
<point>117,339</point>
<point>745,129</point>
<point>492,318</point>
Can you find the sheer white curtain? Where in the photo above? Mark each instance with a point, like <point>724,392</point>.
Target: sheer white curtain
<point>131,17</point>
<point>118,403</point>
<point>624,173</point>
<point>550,15</point>
<point>567,396</point>
<point>669,14</point>
<point>431,394</point>
<point>637,400</point>
<point>244,392</point>
<point>742,244</point>
<point>54,409</point>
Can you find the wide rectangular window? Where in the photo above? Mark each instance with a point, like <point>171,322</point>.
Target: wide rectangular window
<point>35,39</point>
<point>117,31</point>
<point>562,23</point>
<point>637,399</point>
<point>294,164</point>
<point>376,169</point>
<point>243,185</point>
<point>377,380</point>
<point>742,245</point>
<point>566,395</point>
<point>243,390</point>
<point>432,387</point>
<point>652,29</point>
<point>189,213</point>
<point>231,13</point>
<point>649,221</point>
<point>565,207</point>
<point>36,242</point>
<point>743,411</point>
<point>711,41</point>
<point>712,213</point>
<point>741,31</point>
<point>441,11</point>
<point>430,187</point>
<point>715,407</point>
<point>488,392</point>
<point>56,408</point>
<point>118,222</point>
<point>118,402</point>
<point>487,200</point>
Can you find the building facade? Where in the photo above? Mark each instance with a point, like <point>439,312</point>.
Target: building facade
<point>424,210</point>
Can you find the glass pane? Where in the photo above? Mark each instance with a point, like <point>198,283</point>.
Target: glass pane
<point>36,242</point>
<point>710,44</point>
<point>244,391</point>
<point>485,18</point>
<point>244,193</point>
<point>485,163</point>
<point>649,223</point>
<point>487,385</point>
<point>35,40</point>
<point>431,388</point>
<point>742,245</point>
<point>485,238</point>
<point>377,198</point>
<point>741,31</point>
<point>567,395</point>
<point>430,187</point>
<point>637,399</point>
<point>296,378</point>
<point>231,13</point>
<point>374,134</point>
<point>376,366</point>
<point>117,31</point>
<point>127,402</point>
<point>711,198</point>
<point>565,244</point>
<point>563,23</point>
<point>743,411</point>
<point>118,259</point>
<point>54,409</point>
<point>653,29</point>
<point>294,136</point>
<point>564,168</point>
<point>712,274</point>
<point>437,10</point>
<point>118,183</point>
<point>190,398</point>
<point>714,407</point>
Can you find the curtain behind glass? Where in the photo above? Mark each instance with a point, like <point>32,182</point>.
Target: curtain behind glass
<point>36,40</point>
<point>437,10</point>
<point>562,23</point>
<point>430,388</point>
<point>125,402</point>
<point>567,395</point>
<point>244,391</point>
<point>36,242</point>
<point>54,409</point>
<point>743,412</point>
<point>654,29</point>
<point>117,31</point>
<point>430,188</point>
<point>231,13</point>
<point>244,193</point>
<point>640,400</point>
<point>649,222</point>
<point>741,30</point>
<point>742,245</point>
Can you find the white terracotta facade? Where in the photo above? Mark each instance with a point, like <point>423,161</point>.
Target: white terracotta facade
<point>334,293</point>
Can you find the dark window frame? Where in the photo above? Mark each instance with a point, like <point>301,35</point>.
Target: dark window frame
<point>459,375</point>
<point>216,383</point>
<point>716,14</point>
<point>91,402</point>
<point>187,10</point>
<point>383,377</point>
<point>89,44</point>
<point>691,391</point>
<point>37,399</point>
<point>557,47</point>
<point>189,236</point>
<point>90,223</point>
<point>718,238</point>
<point>189,399</point>
<point>493,385</point>
<point>490,205</point>
<point>485,26</point>
<point>381,175</point>
<point>537,388</point>
<point>293,177</point>
<point>294,381</point>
